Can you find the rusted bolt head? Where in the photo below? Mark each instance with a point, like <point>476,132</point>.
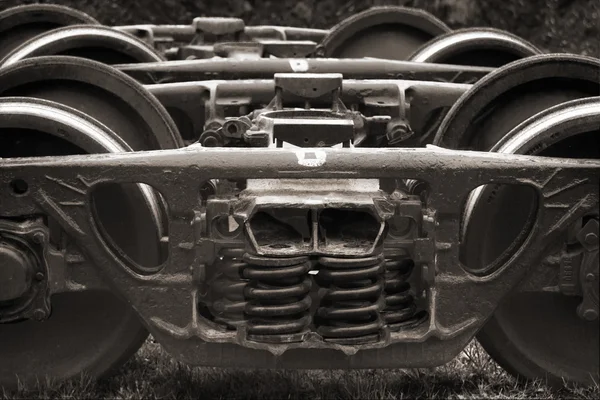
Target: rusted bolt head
<point>38,237</point>
<point>591,239</point>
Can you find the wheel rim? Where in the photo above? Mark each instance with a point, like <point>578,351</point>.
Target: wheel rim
<point>91,331</point>
<point>511,94</point>
<point>102,92</point>
<point>527,332</point>
<point>483,47</point>
<point>98,43</point>
<point>21,23</point>
<point>382,32</point>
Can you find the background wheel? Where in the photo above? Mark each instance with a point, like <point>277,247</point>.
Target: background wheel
<point>21,23</point>
<point>382,32</point>
<point>99,43</point>
<point>483,47</point>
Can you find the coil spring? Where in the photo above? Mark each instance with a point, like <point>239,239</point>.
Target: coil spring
<point>349,312</point>
<point>400,309</point>
<point>230,286</point>
<point>278,298</point>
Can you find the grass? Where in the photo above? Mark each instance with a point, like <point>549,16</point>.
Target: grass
<point>152,374</point>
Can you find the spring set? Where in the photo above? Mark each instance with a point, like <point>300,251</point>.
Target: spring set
<point>278,296</point>
<point>400,308</point>
<point>229,288</point>
<point>349,312</point>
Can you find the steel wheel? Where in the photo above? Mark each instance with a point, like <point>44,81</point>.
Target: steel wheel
<point>90,331</point>
<point>98,90</point>
<point>382,32</point>
<point>21,23</point>
<point>526,334</point>
<point>536,334</point>
<point>509,95</point>
<point>483,47</point>
<point>99,43</point>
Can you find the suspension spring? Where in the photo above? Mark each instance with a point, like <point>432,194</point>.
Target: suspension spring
<point>278,298</point>
<point>349,312</point>
<point>400,308</point>
<point>229,287</point>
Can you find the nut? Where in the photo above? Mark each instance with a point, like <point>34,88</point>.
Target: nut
<point>38,237</point>
<point>591,239</point>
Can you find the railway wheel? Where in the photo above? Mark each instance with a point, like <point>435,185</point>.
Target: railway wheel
<point>99,43</point>
<point>482,47</point>
<point>104,93</point>
<point>91,331</point>
<point>21,23</point>
<point>509,95</point>
<point>381,32</point>
<point>532,106</point>
<point>540,333</point>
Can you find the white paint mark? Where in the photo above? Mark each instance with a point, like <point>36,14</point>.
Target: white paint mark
<point>299,65</point>
<point>233,225</point>
<point>312,158</point>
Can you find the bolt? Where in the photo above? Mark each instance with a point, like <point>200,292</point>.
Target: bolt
<point>591,239</point>
<point>590,315</point>
<point>38,237</point>
<point>39,314</point>
<point>39,276</point>
<point>590,277</point>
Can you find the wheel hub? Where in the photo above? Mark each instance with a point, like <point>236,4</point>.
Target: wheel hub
<point>16,271</point>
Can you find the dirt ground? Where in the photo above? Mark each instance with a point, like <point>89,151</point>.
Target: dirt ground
<point>553,25</point>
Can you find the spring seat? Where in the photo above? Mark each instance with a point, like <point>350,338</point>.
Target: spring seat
<point>278,298</point>
<point>349,311</point>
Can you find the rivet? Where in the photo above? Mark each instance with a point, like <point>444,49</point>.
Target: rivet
<point>591,239</point>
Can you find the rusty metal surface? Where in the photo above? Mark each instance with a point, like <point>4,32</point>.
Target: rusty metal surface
<point>176,175</point>
<point>206,105</point>
<point>198,70</point>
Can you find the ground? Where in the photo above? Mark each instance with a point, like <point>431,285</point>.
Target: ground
<point>152,374</point>
<point>553,25</point>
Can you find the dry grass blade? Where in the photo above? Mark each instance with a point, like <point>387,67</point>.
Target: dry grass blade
<point>152,374</point>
